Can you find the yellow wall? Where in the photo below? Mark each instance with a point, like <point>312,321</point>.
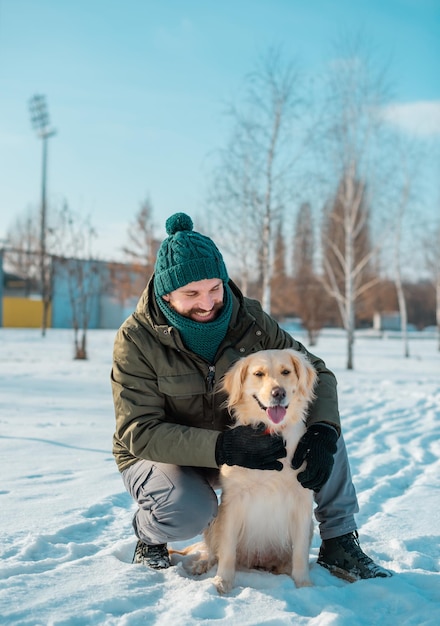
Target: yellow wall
<point>23,313</point>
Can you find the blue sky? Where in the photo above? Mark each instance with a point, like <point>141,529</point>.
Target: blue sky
<point>137,90</point>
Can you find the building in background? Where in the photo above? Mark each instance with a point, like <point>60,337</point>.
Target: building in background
<point>90,293</point>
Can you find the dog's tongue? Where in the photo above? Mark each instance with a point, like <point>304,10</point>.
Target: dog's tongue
<point>276,413</point>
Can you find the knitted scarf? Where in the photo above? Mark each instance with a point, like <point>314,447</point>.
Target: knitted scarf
<point>203,338</point>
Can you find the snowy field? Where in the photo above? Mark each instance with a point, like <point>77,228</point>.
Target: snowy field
<point>66,537</point>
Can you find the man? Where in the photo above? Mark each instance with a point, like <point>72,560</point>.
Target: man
<point>172,434</point>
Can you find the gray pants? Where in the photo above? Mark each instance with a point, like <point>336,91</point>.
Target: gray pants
<point>177,503</point>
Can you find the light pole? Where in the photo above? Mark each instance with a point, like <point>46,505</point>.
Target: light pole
<point>41,124</point>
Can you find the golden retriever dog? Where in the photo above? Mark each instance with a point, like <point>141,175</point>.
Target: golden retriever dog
<point>264,519</point>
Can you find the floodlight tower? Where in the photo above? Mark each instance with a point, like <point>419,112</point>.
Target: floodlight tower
<point>41,124</point>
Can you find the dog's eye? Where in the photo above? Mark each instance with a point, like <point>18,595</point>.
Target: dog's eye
<point>285,372</point>
<point>258,373</point>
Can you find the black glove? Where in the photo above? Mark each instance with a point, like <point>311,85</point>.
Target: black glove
<point>317,447</point>
<point>250,447</point>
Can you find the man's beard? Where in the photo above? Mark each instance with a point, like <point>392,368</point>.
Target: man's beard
<point>218,306</point>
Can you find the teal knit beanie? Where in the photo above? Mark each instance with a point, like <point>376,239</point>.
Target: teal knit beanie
<point>185,256</point>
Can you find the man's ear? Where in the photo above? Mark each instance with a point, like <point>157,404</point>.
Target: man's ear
<point>166,297</point>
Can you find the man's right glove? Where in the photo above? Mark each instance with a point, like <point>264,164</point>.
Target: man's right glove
<point>316,447</point>
<point>250,447</point>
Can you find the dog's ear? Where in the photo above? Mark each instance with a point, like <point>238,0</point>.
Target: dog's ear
<point>305,372</point>
<point>233,381</point>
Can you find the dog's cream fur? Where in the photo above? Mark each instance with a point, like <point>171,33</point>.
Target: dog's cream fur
<point>265,516</point>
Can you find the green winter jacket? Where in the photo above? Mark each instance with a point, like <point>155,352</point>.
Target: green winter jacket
<point>166,406</point>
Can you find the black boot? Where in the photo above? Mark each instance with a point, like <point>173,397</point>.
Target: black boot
<point>344,558</point>
<point>156,556</point>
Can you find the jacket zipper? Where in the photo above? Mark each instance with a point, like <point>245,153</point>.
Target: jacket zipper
<point>211,377</point>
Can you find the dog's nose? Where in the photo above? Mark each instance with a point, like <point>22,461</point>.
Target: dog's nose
<point>279,393</point>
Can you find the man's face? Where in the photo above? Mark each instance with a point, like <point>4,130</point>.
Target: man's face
<point>200,301</point>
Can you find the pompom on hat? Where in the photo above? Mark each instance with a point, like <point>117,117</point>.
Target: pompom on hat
<point>185,256</point>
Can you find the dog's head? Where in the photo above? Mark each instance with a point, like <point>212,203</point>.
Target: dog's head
<point>270,386</point>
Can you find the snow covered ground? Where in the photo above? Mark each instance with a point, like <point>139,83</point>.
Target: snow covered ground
<point>66,537</point>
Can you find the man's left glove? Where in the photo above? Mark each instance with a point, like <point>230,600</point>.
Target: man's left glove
<point>317,447</point>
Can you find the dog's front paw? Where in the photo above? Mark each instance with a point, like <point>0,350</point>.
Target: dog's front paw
<point>222,585</point>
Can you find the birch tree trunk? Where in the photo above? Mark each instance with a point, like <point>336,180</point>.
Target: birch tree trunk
<point>398,281</point>
<point>351,137</point>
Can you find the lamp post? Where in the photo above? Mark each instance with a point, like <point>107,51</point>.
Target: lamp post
<point>41,124</point>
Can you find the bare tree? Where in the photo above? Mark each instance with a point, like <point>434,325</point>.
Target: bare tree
<point>126,281</point>
<point>142,246</point>
<point>347,252</point>
<point>267,150</point>
<point>26,257</point>
<point>23,249</point>
<point>356,93</point>
<point>77,266</point>
<point>402,206</point>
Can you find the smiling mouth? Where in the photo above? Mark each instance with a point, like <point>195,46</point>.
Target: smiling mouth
<point>275,413</point>
<point>203,315</point>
